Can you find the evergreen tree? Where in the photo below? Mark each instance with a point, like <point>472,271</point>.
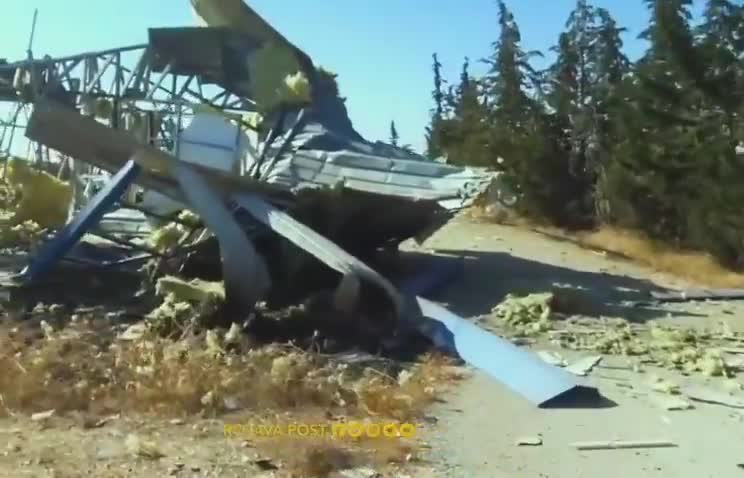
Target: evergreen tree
<point>433,130</point>
<point>467,131</point>
<point>581,91</point>
<point>437,94</point>
<point>649,145</point>
<point>394,137</point>
<point>510,74</point>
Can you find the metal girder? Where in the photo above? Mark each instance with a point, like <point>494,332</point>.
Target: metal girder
<point>64,240</point>
<point>116,74</point>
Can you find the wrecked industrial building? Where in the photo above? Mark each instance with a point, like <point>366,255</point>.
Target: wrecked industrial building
<point>219,163</point>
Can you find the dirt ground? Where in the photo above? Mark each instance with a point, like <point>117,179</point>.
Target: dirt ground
<point>481,422</point>
<point>473,432</point>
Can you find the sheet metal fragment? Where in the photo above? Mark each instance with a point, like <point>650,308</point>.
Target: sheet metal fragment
<point>317,245</point>
<point>245,274</point>
<point>517,368</point>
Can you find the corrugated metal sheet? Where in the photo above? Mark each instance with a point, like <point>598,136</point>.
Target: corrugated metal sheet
<point>317,156</point>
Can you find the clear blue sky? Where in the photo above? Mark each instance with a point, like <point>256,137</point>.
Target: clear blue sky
<point>381,50</point>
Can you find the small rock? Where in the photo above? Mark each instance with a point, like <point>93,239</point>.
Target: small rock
<point>404,377</point>
<point>231,403</point>
<point>142,448</point>
<point>265,464</point>
<point>209,399</point>
<point>47,329</point>
<point>664,386</point>
<point>670,402</point>
<point>530,441</point>
<point>176,421</point>
<point>41,416</point>
<point>56,309</point>
<point>232,337</point>
<point>360,473</point>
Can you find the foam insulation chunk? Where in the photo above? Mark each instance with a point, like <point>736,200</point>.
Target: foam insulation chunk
<point>45,199</point>
<point>195,291</point>
<point>171,234</point>
<point>529,314</point>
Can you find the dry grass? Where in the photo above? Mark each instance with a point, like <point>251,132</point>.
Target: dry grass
<point>694,266</point>
<point>84,367</point>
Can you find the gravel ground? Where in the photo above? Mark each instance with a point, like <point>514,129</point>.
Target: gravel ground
<point>481,422</point>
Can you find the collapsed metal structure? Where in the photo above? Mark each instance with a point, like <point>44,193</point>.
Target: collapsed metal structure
<point>128,119</point>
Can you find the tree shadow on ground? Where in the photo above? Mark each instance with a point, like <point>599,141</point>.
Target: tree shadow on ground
<point>487,277</point>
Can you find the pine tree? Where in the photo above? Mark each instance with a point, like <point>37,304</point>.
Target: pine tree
<point>581,91</point>
<point>612,68</point>
<point>437,94</point>
<point>721,45</point>
<point>510,73</point>
<point>433,130</point>
<point>468,131</point>
<point>394,137</point>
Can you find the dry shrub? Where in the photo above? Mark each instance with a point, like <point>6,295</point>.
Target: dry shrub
<point>694,266</point>
<point>85,367</point>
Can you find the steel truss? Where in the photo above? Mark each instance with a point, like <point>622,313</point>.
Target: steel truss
<point>123,76</point>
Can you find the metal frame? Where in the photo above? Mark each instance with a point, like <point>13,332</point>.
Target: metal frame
<point>123,76</point>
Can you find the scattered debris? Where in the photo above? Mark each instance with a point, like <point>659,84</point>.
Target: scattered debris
<point>360,473</point>
<point>670,402</point>
<point>265,464</point>
<point>707,395</point>
<point>195,291</point>
<point>528,315</point>
<point>134,332</point>
<point>530,441</point>
<point>41,416</point>
<point>616,445</point>
<point>584,365</point>
<point>553,358</point>
<point>142,448</point>
<point>662,385</point>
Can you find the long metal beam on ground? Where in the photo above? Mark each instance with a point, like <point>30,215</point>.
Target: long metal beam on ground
<point>520,370</point>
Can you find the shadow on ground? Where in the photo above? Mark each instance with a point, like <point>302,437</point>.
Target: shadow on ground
<point>489,276</point>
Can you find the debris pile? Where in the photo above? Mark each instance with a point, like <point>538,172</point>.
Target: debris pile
<point>686,350</point>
